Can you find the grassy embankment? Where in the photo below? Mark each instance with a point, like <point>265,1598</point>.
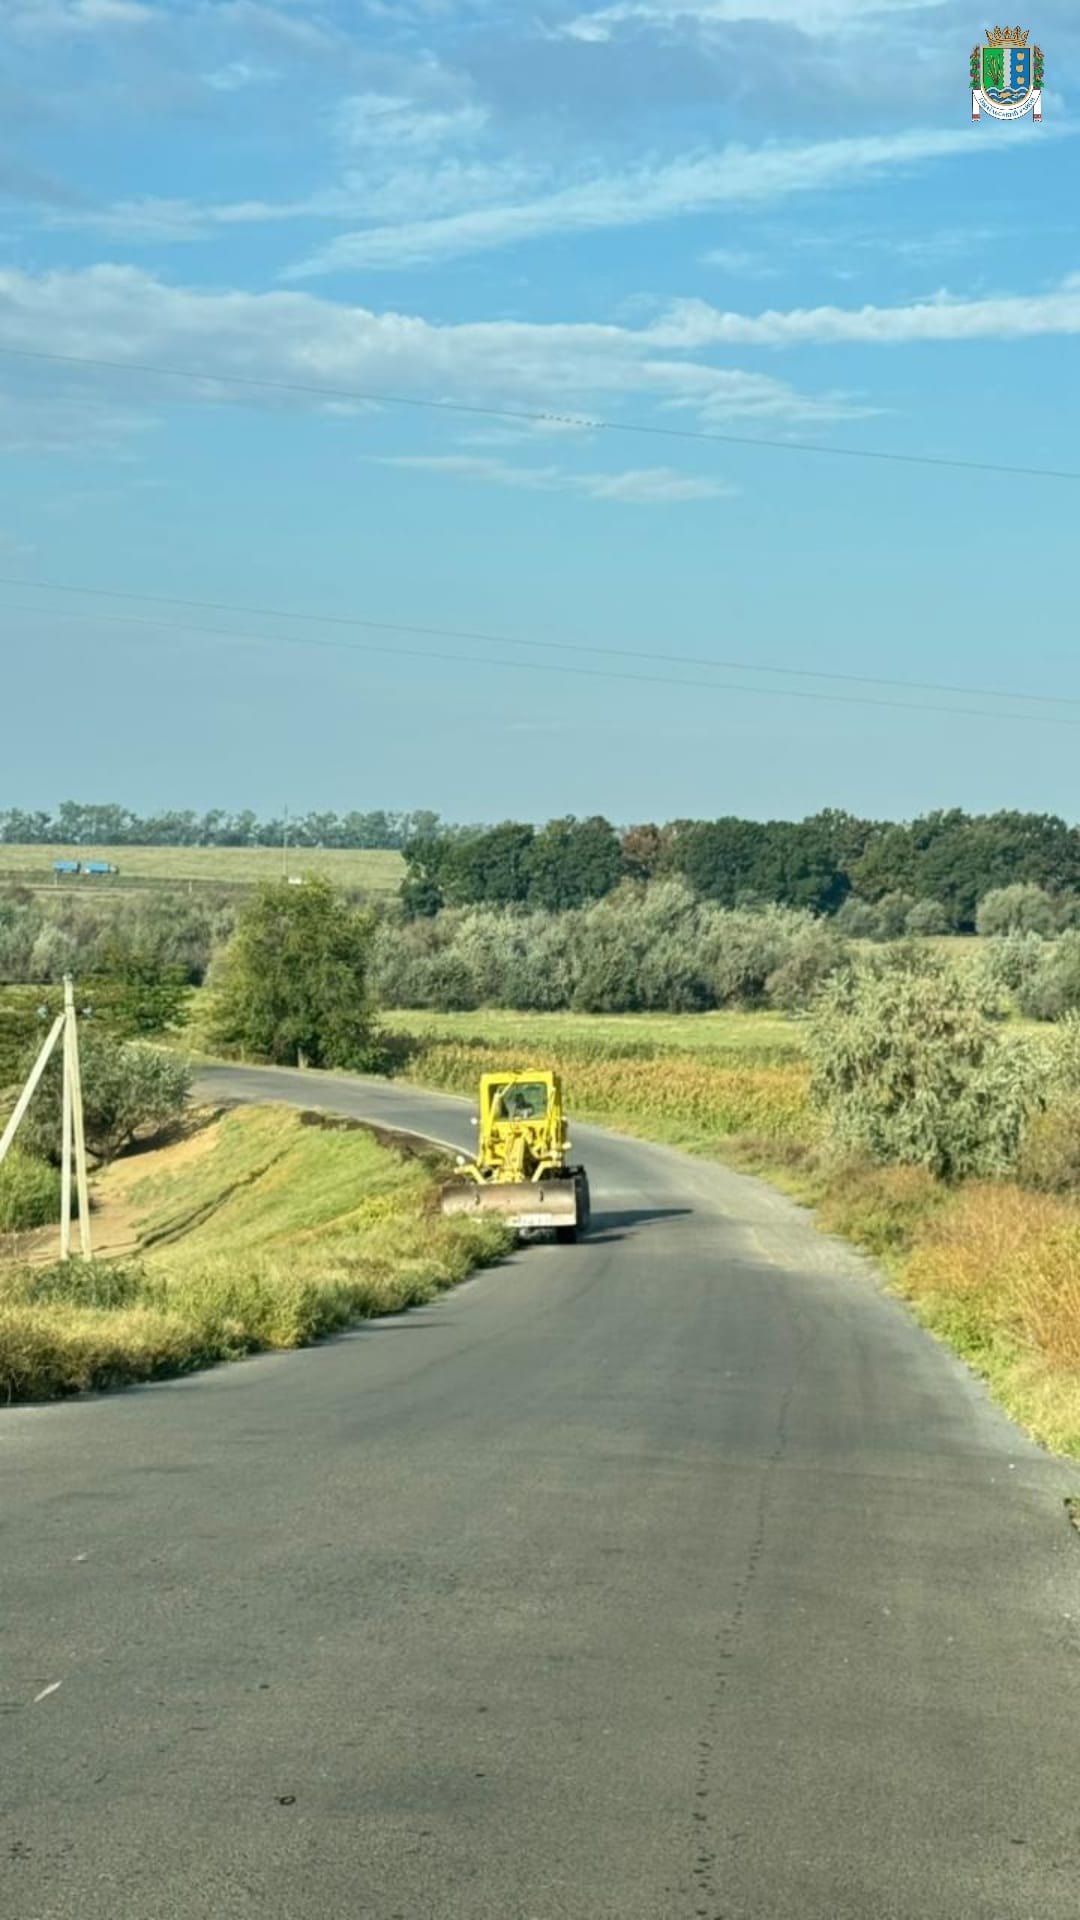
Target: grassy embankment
<point>262,1228</point>
<point>993,1267</point>
<point>373,873</point>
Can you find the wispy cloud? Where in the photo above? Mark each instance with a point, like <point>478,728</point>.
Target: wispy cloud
<point>298,32</point>
<point>806,16</point>
<point>124,315</point>
<point>42,18</point>
<point>638,486</point>
<point>237,75</point>
<point>692,325</point>
<point>401,192</point>
<point>385,120</point>
<point>693,184</point>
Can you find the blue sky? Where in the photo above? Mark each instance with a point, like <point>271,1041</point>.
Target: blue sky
<point>770,219</point>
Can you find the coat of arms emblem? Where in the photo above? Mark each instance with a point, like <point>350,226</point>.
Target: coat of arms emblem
<point>1006,76</point>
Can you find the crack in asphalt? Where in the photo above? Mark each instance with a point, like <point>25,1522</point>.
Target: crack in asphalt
<point>708,1868</point>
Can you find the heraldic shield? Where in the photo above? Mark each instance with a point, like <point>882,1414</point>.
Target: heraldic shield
<point>1006,76</point>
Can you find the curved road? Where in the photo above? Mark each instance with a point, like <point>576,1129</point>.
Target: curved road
<point>674,1574</point>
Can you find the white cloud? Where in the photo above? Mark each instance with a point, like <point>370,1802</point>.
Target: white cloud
<point>739,260</point>
<point>692,325</point>
<point>806,16</point>
<point>640,486</point>
<point>237,75</point>
<point>388,120</point>
<point>124,315</point>
<point>331,357</point>
<point>402,192</point>
<point>659,190</point>
<point>40,18</point>
<point>265,22</point>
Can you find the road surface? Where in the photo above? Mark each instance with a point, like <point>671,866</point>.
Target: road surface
<point>672,1575</point>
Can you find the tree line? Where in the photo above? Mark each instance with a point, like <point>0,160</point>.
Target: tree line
<point>925,875</point>
<point>77,824</point>
<point>922,876</point>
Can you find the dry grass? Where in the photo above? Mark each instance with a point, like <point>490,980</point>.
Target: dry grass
<point>997,1273</point>
<point>276,1232</point>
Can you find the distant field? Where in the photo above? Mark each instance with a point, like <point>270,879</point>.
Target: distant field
<point>375,873</point>
<point>760,1038</point>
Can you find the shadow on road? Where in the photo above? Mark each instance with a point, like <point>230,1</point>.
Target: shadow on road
<point>616,1226</point>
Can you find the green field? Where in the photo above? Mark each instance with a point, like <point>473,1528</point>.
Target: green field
<point>761,1039</point>
<point>363,872</point>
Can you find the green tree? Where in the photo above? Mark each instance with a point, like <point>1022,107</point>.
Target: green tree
<point>647,851</point>
<point>909,1067</point>
<point>293,979</point>
<point>129,1089</point>
<point>572,862</point>
<point>494,867</point>
<point>423,890</point>
<point>1024,908</point>
<point>135,991</point>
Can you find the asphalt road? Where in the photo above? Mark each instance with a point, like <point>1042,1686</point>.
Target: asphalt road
<point>674,1574</point>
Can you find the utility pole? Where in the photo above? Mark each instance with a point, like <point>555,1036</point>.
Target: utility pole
<point>82,1182</point>
<point>73,1134</point>
<point>285,847</point>
<point>66,1130</point>
<point>30,1088</point>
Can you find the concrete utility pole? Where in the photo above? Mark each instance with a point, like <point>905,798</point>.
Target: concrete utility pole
<point>73,1137</point>
<point>73,1133</point>
<point>30,1088</point>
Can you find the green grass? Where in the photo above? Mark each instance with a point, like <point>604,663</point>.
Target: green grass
<point>365,872</point>
<point>765,1039</point>
<point>268,1229</point>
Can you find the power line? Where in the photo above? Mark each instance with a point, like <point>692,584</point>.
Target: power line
<point>538,418</point>
<point>531,666</point>
<point>554,646</point>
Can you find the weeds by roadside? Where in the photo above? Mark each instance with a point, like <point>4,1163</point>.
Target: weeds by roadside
<point>992,1267</point>
<point>271,1234</point>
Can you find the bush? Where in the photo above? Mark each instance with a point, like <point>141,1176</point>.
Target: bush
<point>927,919</point>
<point>1052,987</point>
<point>29,1193</point>
<point>1018,909</point>
<point>1049,1159</point>
<point>909,1068</point>
<point>129,1089</point>
<point>646,949</point>
<point>815,953</point>
<point>858,919</point>
<point>1010,963</point>
<point>893,912</point>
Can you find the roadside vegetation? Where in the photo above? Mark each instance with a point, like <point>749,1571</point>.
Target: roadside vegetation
<point>922,1092</point>
<point>258,1229</point>
<point>920,1123</point>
